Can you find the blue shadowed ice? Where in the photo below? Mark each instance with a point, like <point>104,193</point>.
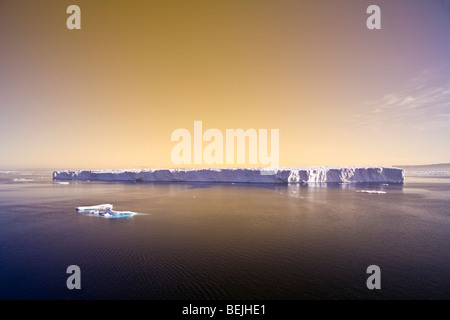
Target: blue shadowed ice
<point>105,211</point>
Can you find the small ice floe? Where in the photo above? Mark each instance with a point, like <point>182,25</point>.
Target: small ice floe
<point>62,182</point>
<point>113,214</point>
<point>99,207</point>
<point>23,180</point>
<point>105,211</point>
<point>372,191</point>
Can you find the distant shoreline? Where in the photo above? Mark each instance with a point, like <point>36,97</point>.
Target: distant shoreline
<point>442,167</point>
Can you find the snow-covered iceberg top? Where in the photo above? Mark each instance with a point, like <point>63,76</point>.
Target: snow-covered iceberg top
<point>105,211</point>
<point>243,175</point>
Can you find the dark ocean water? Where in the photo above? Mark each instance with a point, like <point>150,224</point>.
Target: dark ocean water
<point>224,241</point>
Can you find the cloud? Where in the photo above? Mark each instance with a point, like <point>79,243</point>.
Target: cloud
<point>423,103</point>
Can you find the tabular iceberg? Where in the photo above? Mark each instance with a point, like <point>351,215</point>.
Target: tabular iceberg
<point>302,175</point>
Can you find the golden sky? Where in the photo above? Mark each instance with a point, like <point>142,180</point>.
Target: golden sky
<point>110,95</point>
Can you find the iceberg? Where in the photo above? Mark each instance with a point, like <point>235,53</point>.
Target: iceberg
<point>372,191</point>
<point>112,213</point>
<point>99,207</point>
<point>23,180</point>
<point>105,210</point>
<point>298,175</point>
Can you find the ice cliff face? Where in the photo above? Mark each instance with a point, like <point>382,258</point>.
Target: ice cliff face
<point>243,175</point>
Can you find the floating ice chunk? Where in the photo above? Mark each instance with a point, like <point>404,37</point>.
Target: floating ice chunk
<point>62,182</point>
<point>372,191</point>
<point>23,180</point>
<point>119,214</point>
<point>100,207</point>
<point>105,211</point>
<point>112,214</point>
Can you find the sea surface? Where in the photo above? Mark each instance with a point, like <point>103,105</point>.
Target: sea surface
<point>224,241</point>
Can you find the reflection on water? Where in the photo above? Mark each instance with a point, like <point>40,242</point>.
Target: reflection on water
<point>223,241</point>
